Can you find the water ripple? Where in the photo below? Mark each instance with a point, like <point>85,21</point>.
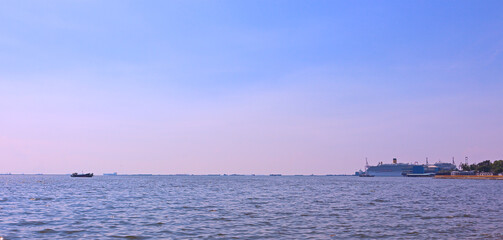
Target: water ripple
<point>248,207</point>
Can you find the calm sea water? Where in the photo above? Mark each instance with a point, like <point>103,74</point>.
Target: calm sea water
<point>248,207</point>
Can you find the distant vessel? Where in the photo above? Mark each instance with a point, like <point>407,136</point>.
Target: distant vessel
<point>110,174</point>
<point>82,175</point>
<point>365,175</point>
<point>275,175</point>
<point>394,169</point>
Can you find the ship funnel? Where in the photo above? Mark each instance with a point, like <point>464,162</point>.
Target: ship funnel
<point>394,161</point>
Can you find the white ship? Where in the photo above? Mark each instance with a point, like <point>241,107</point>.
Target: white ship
<point>396,169</point>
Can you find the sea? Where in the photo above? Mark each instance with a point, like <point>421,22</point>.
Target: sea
<point>248,207</point>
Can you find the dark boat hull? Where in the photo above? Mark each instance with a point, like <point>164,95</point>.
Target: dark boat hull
<point>82,175</point>
<point>420,175</point>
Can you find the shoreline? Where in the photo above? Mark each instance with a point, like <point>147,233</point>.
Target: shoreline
<point>490,177</point>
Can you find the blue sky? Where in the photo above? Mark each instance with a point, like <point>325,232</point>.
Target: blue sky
<point>247,86</point>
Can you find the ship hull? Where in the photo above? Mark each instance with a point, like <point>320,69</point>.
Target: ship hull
<point>386,174</point>
<point>82,175</point>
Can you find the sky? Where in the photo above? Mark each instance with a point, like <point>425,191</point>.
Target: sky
<point>250,87</point>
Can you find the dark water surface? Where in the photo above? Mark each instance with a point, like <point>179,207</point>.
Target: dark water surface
<point>248,207</point>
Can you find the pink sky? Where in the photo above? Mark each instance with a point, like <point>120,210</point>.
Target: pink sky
<point>247,86</point>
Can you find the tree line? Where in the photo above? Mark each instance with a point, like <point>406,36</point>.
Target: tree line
<point>486,166</point>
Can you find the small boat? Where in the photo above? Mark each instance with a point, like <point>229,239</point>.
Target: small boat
<point>365,175</point>
<point>82,175</point>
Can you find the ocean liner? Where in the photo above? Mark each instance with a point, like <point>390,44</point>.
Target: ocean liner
<point>396,169</point>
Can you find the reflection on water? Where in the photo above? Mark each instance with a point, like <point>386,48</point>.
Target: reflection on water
<point>248,207</point>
